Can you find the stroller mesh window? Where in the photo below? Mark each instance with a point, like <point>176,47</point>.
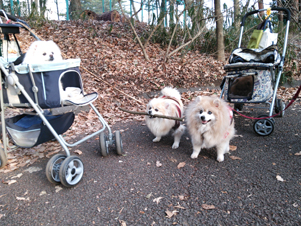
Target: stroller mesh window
<point>241,87</point>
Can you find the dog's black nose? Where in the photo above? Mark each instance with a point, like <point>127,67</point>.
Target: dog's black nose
<point>51,58</point>
<point>203,118</point>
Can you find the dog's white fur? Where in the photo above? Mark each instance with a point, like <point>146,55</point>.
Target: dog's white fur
<point>41,52</point>
<point>210,124</point>
<point>168,104</point>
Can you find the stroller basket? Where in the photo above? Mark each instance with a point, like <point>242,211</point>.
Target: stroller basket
<point>29,130</point>
<point>45,83</point>
<point>248,82</point>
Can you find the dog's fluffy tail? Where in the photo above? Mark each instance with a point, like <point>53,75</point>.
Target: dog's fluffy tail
<point>171,92</point>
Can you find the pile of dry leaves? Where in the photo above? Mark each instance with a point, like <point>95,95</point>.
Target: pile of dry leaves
<point>113,65</point>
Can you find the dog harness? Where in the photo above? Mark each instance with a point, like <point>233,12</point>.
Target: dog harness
<point>177,123</point>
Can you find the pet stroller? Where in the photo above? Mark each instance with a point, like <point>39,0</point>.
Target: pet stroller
<point>51,94</point>
<point>254,73</point>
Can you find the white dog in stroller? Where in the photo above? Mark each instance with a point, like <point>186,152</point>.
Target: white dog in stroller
<point>41,52</point>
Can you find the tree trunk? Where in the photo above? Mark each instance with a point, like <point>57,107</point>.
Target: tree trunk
<point>236,14</point>
<point>219,31</point>
<point>75,9</point>
<point>260,6</point>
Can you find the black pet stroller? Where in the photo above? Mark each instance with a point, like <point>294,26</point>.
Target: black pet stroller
<point>51,93</point>
<point>254,72</point>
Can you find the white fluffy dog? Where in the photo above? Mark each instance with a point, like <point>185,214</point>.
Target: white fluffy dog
<point>168,104</point>
<point>210,124</point>
<point>41,52</point>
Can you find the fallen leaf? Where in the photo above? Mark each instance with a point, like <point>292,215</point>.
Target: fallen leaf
<point>79,152</point>
<point>22,198</point>
<point>181,197</point>
<point>181,165</point>
<point>149,195</point>
<point>122,223</point>
<point>279,178</point>
<point>208,207</point>
<point>98,209</point>
<point>58,188</point>
<point>233,148</point>
<point>33,169</point>
<point>235,157</point>
<point>158,164</point>
<point>171,213</point>
<point>9,182</point>
<point>179,206</point>
<point>43,193</point>
<point>17,176</point>
<point>157,200</point>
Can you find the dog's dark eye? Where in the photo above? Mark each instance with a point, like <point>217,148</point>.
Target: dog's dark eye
<point>156,109</point>
<point>150,108</point>
<point>44,54</point>
<point>201,111</point>
<point>209,112</point>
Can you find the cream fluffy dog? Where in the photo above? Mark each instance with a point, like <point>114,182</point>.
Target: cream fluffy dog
<point>168,104</point>
<point>210,124</point>
<point>42,51</point>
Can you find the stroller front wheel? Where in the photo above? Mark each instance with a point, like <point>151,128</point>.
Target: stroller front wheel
<point>104,146</point>
<point>279,108</point>
<point>53,168</point>
<point>118,142</point>
<point>263,127</point>
<point>71,171</point>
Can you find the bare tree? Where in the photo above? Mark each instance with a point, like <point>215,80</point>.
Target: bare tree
<point>75,8</point>
<point>236,14</point>
<point>260,6</point>
<point>219,31</point>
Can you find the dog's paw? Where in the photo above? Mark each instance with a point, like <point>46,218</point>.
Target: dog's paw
<point>175,146</point>
<point>220,158</point>
<point>194,155</point>
<point>157,139</point>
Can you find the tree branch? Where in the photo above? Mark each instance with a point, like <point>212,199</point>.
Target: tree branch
<point>155,116</point>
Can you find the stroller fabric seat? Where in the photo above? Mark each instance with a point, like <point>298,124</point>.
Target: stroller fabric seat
<point>267,55</point>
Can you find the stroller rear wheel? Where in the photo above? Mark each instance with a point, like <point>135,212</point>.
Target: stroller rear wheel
<point>3,158</point>
<point>118,142</point>
<point>104,146</point>
<point>53,168</point>
<point>279,108</point>
<point>71,171</point>
<point>264,127</point>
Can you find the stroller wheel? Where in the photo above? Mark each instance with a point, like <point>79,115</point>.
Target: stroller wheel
<point>263,127</point>
<point>118,142</point>
<point>71,171</point>
<point>238,106</point>
<point>104,146</point>
<point>53,168</point>
<point>280,106</point>
<point>3,158</point>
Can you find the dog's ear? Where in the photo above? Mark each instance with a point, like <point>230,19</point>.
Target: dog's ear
<point>217,102</point>
<point>198,98</point>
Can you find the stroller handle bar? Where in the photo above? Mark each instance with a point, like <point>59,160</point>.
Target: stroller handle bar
<point>260,10</point>
<point>13,18</point>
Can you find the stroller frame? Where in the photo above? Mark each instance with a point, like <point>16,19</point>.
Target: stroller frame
<point>61,168</point>
<point>264,126</point>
